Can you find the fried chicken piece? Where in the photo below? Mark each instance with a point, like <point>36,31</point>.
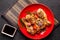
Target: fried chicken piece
<point>43,16</point>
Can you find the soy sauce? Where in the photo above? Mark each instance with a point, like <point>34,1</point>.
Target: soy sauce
<point>9,30</point>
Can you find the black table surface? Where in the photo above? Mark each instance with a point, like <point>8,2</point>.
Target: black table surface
<point>53,4</point>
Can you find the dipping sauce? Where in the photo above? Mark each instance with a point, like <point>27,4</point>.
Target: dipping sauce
<point>9,30</point>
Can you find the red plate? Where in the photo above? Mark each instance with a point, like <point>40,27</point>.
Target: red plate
<point>31,8</point>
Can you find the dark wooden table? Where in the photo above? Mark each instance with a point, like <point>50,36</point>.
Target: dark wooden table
<point>53,4</point>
